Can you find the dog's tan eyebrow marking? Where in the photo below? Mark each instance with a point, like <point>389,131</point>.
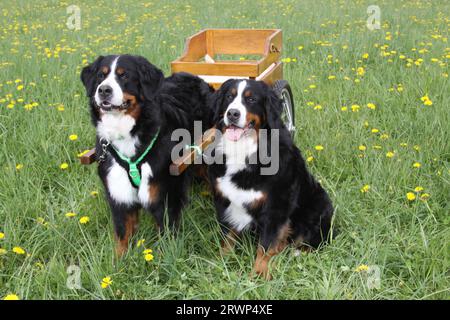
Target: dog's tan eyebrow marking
<point>120,71</point>
<point>234,91</point>
<point>105,70</point>
<point>248,93</point>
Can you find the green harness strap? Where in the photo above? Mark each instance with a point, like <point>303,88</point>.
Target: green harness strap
<point>133,170</point>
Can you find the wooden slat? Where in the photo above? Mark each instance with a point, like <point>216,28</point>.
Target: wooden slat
<point>276,73</point>
<point>272,51</point>
<point>88,158</point>
<point>240,41</point>
<point>227,68</point>
<point>195,47</point>
<point>210,43</point>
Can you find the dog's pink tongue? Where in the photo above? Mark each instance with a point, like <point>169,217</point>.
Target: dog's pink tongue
<point>234,133</point>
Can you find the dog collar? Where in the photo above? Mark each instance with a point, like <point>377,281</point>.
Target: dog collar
<point>133,170</point>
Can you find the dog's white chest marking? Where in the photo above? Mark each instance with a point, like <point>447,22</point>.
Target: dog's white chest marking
<point>116,128</point>
<point>122,191</point>
<point>236,213</point>
<point>119,186</point>
<point>143,193</point>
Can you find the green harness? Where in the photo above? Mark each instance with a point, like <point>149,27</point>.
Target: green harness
<point>133,170</point>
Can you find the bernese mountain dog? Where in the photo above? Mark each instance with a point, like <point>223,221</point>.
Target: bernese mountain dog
<point>135,109</point>
<point>285,206</point>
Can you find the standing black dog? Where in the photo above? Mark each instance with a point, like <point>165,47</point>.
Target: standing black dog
<point>135,110</point>
<point>287,206</point>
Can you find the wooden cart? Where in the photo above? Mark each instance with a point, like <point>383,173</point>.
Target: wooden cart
<point>216,55</point>
<point>206,55</point>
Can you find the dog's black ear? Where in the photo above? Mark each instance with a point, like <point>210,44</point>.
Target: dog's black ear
<point>89,76</point>
<point>273,108</point>
<point>150,78</point>
<point>218,100</point>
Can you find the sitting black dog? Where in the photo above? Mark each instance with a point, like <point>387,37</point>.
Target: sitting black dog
<point>288,206</point>
<point>135,109</point>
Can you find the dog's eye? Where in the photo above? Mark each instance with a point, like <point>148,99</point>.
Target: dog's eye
<point>123,76</point>
<point>251,100</point>
<point>229,97</point>
<point>101,76</point>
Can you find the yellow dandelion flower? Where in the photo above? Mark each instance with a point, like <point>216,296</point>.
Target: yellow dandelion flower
<point>426,100</point>
<point>365,56</point>
<point>64,166</point>
<point>3,251</point>
<point>310,159</point>
<point>365,188</point>
<point>410,196</point>
<point>416,147</point>
<point>11,296</point>
<point>344,109</point>
<point>106,282</point>
<point>94,193</point>
<point>418,189</point>
<point>148,257</point>
<point>2,235</point>
<point>360,71</point>
<point>425,196</point>
<point>362,148</point>
<point>20,87</point>
<point>18,250</point>
<point>331,77</point>
<point>361,268</point>
<point>70,214</point>
<point>384,136</point>
<point>371,106</point>
<point>84,219</point>
<point>390,154</point>
<point>140,242</point>
<point>19,166</point>
<point>355,108</point>
<point>73,137</point>
<point>319,147</point>
<point>82,153</point>
<point>374,130</point>
<point>417,165</point>
<point>318,107</point>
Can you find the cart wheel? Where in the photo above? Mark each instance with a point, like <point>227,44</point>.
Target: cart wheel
<point>283,90</point>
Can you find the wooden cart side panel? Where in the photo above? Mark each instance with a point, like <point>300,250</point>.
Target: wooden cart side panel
<point>245,42</point>
<point>195,47</point>
<point>228,68</point>
<point>275,74</point>
<point>273,50</point>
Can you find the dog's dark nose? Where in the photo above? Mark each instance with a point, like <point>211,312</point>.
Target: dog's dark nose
<point>233,115</point>
<point>105,91</point>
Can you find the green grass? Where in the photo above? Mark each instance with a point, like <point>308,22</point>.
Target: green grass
<point>407,240</point>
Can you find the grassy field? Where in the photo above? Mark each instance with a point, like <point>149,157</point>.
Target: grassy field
<point>372,118</point>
